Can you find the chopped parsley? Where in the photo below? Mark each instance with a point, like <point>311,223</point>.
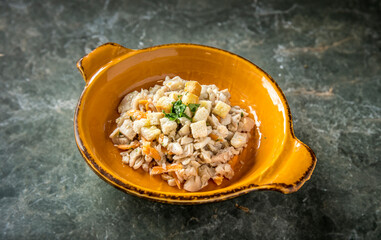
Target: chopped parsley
<point>193,107</point>
<point>177,111</point>
<point>241,114</point>
<point>131,118</point>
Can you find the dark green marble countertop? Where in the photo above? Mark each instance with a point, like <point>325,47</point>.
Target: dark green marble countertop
<point>325,55</point>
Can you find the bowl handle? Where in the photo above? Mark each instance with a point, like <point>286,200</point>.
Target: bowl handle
<point>95,60</point>
<point>299,163</point>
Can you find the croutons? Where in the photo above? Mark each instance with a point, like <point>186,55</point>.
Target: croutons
<point>221,109</point>
<point>154,117</point>
<point>150,133</point>
<point>193,87</point>
<point>167,126</point>
<point>189,137</point>
<point>246,124</point>
<point>199,129</point>
<point>206,104</point>
<point>189,98</point>
<point>164,103</point>
<point>239,140</point>
<point>201,114</point>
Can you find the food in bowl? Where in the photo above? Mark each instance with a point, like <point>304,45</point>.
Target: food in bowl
<point>185,132</point>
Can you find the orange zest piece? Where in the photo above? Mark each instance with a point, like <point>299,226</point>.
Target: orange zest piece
<point>143,101</point>
<point>218,179</point>
<point>215,137</point>
<point>233,162</point>
<point>177,181</point>
<point>136,114</point>
<point>147,106</point>
<point>152,152</point>
<point>128,146</point>
<point>170,168</point>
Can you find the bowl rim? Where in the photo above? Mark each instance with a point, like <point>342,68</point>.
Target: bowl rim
<point>190,199</point>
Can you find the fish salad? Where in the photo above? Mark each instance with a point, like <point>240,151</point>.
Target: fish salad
<point>183,131</point>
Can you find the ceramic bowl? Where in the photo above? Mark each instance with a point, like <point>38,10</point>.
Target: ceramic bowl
<point>274,159</point>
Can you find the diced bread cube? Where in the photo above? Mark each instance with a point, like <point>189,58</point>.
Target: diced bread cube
<point>138,124</point>
<point>199,129</point>
<point>167,126</point>
<point>150,133</point>
<point>221,109</point>
<point>127,130</point>
<point>189,98</point>
<point>206,104</point>
<point>193,87</point>
<point>201,114</point>
<point>246,124</point>
<point>154,117</point>
<point>239,140</point>
<point>164,103</point>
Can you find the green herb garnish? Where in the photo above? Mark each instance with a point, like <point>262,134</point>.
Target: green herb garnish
<point>131,118</point>
<point>171,116</point>
<point>241,114</point>
<point>177,111</point>
<point>193,107</point>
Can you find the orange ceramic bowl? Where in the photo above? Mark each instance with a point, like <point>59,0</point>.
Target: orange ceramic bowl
<point>274,159</point>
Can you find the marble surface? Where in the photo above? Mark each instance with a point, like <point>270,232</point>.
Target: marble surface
<point>325,55</point>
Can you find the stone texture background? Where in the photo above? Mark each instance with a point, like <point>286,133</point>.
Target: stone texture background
<point>325,55</point>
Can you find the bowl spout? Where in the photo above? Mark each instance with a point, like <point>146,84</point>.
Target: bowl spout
<point>99,57</point>
<point>295,169</point>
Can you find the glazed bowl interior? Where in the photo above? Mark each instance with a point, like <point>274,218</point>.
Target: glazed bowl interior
<point>262,161</point>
